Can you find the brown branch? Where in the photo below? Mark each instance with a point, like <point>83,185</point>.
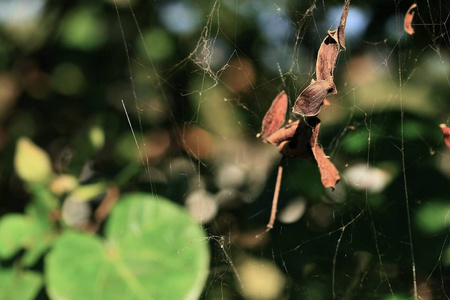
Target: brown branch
<point>107,204</point>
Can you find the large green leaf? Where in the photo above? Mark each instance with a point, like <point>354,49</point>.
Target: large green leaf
<point>19,285</point>
<point>152,250</point>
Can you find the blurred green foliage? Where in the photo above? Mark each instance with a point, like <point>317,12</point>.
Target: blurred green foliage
<point>152,250</point>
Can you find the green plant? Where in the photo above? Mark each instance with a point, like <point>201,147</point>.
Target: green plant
<point>150,249</point>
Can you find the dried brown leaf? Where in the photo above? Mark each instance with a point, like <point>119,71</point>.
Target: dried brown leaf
<point>299,145</point>
<point>285,133</point>
<point>342,23</point>
<point>293,139</point>
<point>408,19</point>
<point>329,49</point>
<point>327,56</point>
<point>275,116</point>
<point>310,101</point>
<point>446,133</point>
<point>328,172</point>
<point>299,139</point>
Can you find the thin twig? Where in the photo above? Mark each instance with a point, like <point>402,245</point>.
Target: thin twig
<point>107,204</point>
<point>275,195</point>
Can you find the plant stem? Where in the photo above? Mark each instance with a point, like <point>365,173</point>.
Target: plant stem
<point>276,194</point>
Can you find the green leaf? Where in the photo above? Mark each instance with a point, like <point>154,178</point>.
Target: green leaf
<point>434,216</point>
<point>19,285</point>
<point>97,137</point>
<point>43,199</point>
<point>72,267</point>
<point>14,231</point>
<point>152,250</point>
<point>84,28</point>
<point>355,141</point>
<point>158,45</point>
<point>31,162</point>
<point>42,236</point>
<point>89,191</point>
<point>29,232</point>
<point>68,79</point>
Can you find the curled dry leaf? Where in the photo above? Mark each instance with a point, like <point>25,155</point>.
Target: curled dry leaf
<point>327,56</point>
<point>329,49</point>
<point>293,140</point>
<point>275,116</point>
<point>408,19</point>
<point>310,101</point>
<point>300,139</point>
<point>285,133</point>
<point>342,23</point>
<point>312,98</point>
<point>328,172</point>
<point>446,133</point>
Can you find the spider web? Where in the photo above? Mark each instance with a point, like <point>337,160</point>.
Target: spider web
<point>365,239</point>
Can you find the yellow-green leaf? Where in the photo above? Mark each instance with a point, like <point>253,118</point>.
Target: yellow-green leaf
<point>32,164</point>
<point>97,137</point>
<point>89,191</point>
<point>63,184</point>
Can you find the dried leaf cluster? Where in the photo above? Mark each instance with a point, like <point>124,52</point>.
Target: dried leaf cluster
<point>300,138</point>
